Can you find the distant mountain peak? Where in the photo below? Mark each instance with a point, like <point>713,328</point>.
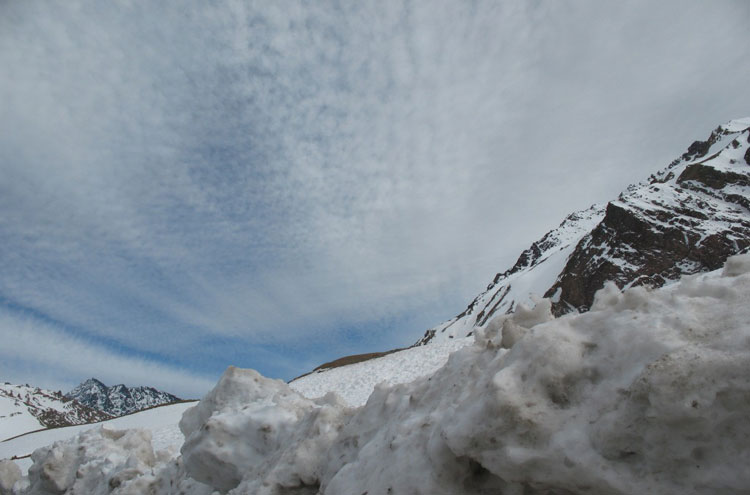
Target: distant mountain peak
<point>93,381</point>
<point>686,218</point>
<point>119,399</point>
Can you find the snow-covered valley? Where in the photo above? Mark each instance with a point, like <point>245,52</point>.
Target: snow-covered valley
<point>646,393</point>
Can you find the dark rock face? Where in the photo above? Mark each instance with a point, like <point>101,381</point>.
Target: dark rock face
<point>52,418</point>
<point>687,218</point>
<point>656,234</point>
<point>628,249</point>
<point>708,176</point>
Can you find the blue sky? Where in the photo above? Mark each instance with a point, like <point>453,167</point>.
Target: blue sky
<point>191,185</point>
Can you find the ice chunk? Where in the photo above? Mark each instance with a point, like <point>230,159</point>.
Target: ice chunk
<point>95,461</point>
<point>257,429</point>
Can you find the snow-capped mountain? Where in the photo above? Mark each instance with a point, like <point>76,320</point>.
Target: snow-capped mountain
<point>119,399</point>
<point>24,408</point>
<point>685,219</point>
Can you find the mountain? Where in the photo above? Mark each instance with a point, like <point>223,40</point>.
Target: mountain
<point>685,219</point>
<point>24,408</point>
<point>119,399</point>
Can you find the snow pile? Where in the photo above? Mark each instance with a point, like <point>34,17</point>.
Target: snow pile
<point>647,393</point>
<point>101,461</point>
<point>259,430</point>
<point>10,474</point>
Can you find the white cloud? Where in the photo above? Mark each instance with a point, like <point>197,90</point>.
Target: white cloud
<point>264,171</point>
<point>44,355</point>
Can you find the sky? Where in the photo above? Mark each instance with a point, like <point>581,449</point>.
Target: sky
<point>190,185</point>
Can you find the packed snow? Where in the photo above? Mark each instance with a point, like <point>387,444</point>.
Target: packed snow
<point>355,382</point>
<point>649,392</point>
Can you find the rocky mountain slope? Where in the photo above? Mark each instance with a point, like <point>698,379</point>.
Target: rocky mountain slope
<point>118,399</point>
<point>24,408</point>
<point>685,219</point>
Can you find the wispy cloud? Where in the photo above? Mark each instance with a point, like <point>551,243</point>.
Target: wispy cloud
<point>40,353</point>
<point>274,174</point>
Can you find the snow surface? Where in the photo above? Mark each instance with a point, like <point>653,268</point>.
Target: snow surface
<point>649,392</point>
<point>737,125</point>
<point>354,383</point>
<point>15,418</point>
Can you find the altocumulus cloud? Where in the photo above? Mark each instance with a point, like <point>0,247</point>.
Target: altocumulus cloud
<point>186,186</point>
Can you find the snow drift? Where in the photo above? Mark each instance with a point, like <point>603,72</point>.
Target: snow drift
<point>649,392</point>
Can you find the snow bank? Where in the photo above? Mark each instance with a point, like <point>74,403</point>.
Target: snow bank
<point>647,393</point>
<point>102,461</point>
<point>257,429</point>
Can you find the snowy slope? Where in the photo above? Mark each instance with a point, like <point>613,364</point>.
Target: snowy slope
<point>15,418</point>
<point>24,408</point>
<point>645,393</point>
<point>160,421</point>
<point>533,274</point>
<point>118,400</point>
<point>355,382</point>
<point>687,218</point>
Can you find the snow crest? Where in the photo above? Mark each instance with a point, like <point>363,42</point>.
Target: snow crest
<point>649,392</point>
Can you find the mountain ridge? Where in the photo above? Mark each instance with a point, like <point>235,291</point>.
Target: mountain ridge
<point>686,218</point>
<point>119,399</point>
<point>24,408</point>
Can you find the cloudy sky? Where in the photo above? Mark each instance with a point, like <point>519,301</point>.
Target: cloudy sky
<point>189,185</point>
